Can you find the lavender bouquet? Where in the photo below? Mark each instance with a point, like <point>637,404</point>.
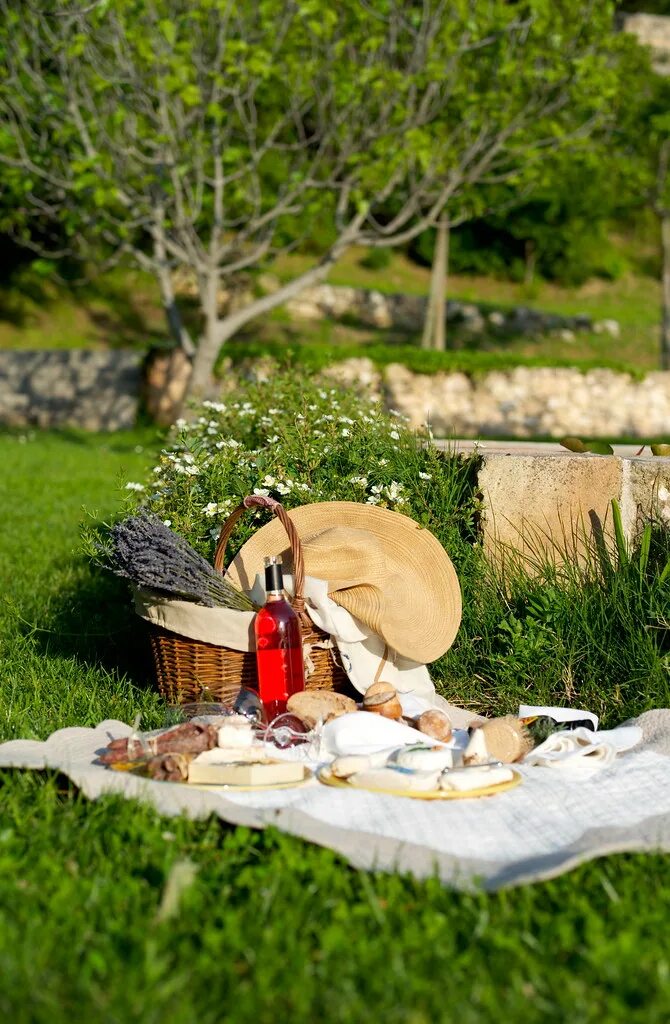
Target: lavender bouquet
<point>152,556</point>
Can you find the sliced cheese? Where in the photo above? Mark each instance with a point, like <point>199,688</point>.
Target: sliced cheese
<point>260,773</point>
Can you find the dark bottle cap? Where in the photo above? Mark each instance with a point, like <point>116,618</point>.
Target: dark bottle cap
<point>274,577</point>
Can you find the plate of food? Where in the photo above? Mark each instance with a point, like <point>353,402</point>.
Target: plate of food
<point>238,774</point>
<point>450,784</point>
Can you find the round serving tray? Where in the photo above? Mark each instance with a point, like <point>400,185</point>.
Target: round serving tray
<point>328,779</point>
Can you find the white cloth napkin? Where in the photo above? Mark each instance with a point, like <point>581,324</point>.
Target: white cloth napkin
<point>361,732</point>
<point>581,751</point>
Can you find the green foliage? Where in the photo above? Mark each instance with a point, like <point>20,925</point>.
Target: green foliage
<point>376,259</point>
<point>199,136</point>
<point>312,356</point>
<point>303,442</point>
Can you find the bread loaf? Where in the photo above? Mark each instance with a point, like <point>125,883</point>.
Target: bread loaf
<point>314,706</point>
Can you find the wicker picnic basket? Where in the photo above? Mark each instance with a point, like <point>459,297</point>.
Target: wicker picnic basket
<point>191,671</point>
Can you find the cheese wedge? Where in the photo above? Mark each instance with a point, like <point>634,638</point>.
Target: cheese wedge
<point>260,773</point>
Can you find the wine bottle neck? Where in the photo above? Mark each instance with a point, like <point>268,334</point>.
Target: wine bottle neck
<point>274,579</point>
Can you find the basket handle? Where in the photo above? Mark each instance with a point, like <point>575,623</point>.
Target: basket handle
<point>259,501</point>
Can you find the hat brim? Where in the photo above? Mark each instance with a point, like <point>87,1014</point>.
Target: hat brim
<point>422,622</point>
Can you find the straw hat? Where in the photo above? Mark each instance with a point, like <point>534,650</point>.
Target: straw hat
<point>386,570</point>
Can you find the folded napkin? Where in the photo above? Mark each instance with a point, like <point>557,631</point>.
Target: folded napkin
<point>581,751</point>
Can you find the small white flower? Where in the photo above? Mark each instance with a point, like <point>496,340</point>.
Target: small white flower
<point>394,491</point>
<point>274,412</point>
<point>273,439</point>
<point>323,394</point>
<point>303,487</point>
<point>345,433</point>
<point>262,492</point>
<point>362,481</point>
<point>345,419</point>
<point>214,508</point>
<point>214,406</point>
<point>372,500</point>
<point>425,476</point>
<point>284,488</point>
<point>376,489</point>
<point>167,522</point>
<point>312,408</point>
<point>269,481</point>
<point>663,494</point>
<point>395,435</point>
<point>383,462</point>
<point>181,424</point>
<point>132,486</point>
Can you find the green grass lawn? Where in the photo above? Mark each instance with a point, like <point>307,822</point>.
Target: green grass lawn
<point>271,929</point>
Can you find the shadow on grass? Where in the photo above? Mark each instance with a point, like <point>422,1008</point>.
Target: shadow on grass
<point>93,621</point>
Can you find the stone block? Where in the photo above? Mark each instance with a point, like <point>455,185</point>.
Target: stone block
<point>554,505</point>
<point>645,492</point>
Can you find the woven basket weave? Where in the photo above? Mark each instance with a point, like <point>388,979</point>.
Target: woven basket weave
<point>190,671</point>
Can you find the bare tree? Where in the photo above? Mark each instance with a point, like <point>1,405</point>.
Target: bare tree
<point>205,135</point>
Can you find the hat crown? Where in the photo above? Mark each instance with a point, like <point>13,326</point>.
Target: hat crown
<point>345,554</point>
<point>389,572</point>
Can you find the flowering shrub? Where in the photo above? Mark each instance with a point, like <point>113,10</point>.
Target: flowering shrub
<point>300,442</point>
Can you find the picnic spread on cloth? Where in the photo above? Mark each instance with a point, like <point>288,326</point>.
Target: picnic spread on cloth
<point>305,703</point>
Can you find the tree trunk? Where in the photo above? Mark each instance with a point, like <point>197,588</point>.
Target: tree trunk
<point>440,297</point>
<point>435,326</point>
<point>665,291</point>
<point>218,332</point>
<point>180,335</point>
<point>427,335</point>
<point>530,259</point>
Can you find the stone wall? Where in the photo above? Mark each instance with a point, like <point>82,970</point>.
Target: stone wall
<point>69,388</point>
<point>100,391</point>
<point>522,402</point>
<point>407,312</point>
<point>652,30</point>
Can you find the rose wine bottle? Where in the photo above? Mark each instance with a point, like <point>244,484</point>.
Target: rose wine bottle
<point>279,656</point>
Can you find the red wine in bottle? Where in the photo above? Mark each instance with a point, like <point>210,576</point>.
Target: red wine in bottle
<point>279,656</point>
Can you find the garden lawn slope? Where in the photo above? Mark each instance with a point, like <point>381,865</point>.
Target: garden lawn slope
<point>267,928</point>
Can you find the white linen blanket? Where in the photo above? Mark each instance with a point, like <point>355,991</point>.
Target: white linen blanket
<point>545,826</point>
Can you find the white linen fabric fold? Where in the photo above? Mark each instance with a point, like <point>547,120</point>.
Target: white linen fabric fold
<point>582,751</point>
